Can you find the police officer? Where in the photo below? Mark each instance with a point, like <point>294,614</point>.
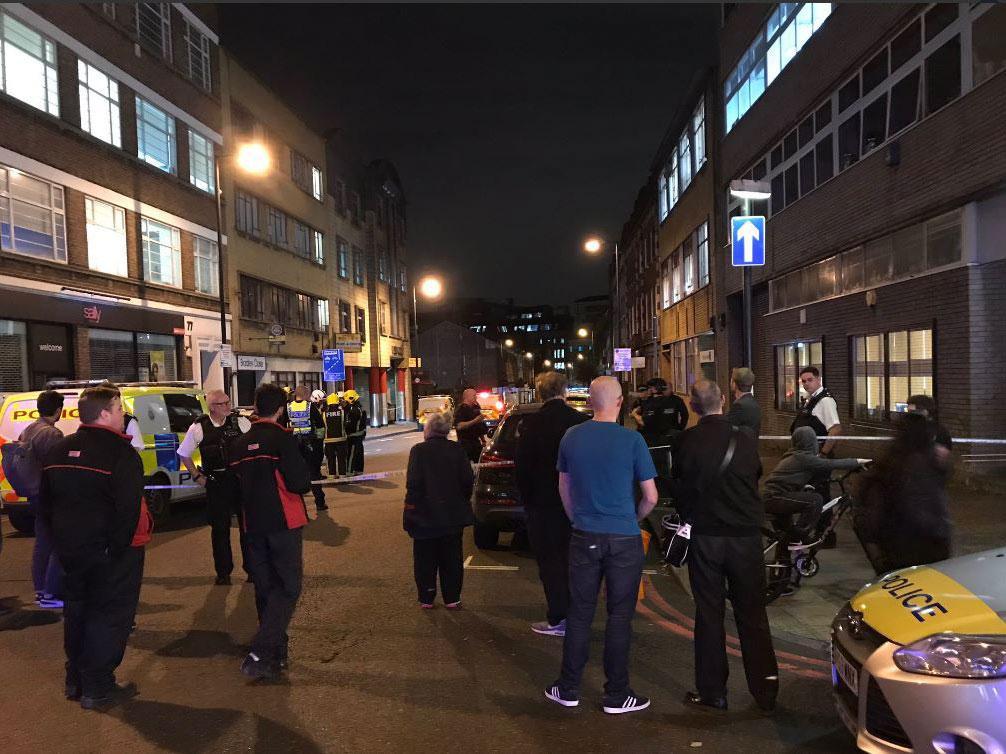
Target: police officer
<point>820,413</point>
<point>356,430</point>
<point>213,433</point>
<point>336,442</point>
<point>308,428</point>
<point>93,502</point>
<point>663,415</point>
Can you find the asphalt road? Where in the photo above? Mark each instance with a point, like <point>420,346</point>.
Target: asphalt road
<point>370,671</point>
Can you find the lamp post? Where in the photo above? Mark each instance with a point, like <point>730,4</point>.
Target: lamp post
<point>431,288</point>
<point>252,158</point>
<point>594,245</point>
<point>748,191</point>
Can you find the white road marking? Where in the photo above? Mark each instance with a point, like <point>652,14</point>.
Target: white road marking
<point>468,560</point>
<point>469,567</point>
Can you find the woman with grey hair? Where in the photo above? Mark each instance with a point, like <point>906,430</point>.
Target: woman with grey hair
<point>438,490</point>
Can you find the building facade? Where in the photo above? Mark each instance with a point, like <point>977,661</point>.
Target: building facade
<point>109,120</point>
<point>875,129</point>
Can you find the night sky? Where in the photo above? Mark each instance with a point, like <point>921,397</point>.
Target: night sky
<point>516,129</point>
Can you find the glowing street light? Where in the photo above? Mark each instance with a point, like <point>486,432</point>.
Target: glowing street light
<point>529,356</point>
<point>254,158</point>
<point>582,332</point>
<point>579,357</point>
<point>508,343</point>
<point>593,245</point>
<point>431,287</point>
<point>547,363</point>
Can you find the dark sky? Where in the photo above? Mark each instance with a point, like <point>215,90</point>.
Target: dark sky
<point>516,129</point>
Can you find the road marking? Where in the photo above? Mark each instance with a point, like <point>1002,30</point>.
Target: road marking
<point>468,560</point>
<point>469,567</point>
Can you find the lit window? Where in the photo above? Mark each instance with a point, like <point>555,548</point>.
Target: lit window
<point>28,66</point>
<point>699,133</point>
<point>357,265</point>
<point>201,168</point>
<point>32,217</point>
<point>155,136</point>
<point>905,357</point>
<point>99,104</point>
<point>199,57</point>
<point>106,237</point>
<point>153,27</point>
<point>685,161</point>
<point>207,261</point>
<point>323,320</point>
<point>319,247</point>
<point>162,253</point>
<point>702,242</point>
<point>662,196</point>
<point>790,359</point>
<point>342,258</point>
<point>316,187</point>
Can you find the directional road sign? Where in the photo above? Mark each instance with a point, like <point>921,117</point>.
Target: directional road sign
<point>748,241</point>
<point>333,364</point>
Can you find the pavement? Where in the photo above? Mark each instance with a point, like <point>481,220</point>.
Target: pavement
<point>372,672</point>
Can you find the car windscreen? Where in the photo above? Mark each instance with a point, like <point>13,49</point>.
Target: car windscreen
<point>505,439</point>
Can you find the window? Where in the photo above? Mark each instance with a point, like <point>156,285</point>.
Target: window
<point>676,283</point>
<point>155,136</point>
<point>99,104</point>
<point>302,241</point>
<point>688,254</point>
<point>266,302</point>
<point>888,369</point>
<point>665,284</point>
<point>199,57</point>
<point>28,66</point>
<point>323,320</point>
<point>874,124</point>
<point>162,253</point>
<point>904,102</point>
<point>848,142</point>
<point>875,72</point>
<point>201,167</point>
<point>790,358</point>
<point>358,265</point>
<point>684,161</point>
<point>702,243</point>
<point>943,75</point>
<point>246,213</point>
<point>128,357</point>
<point>342,250</point>
<point>316,184</point>
<point>319,247</point>
<point>988,44</point>
<point>207,263</point>
<point>306,175</point>
<point>938,18</point>
<point>32,219</point>
<point>662,196</point>
<point>106,237</point>
<point>382,313</point>
<point>361,324</point>
<point>182,411</point>
<point>345,318</point>
<point>906,45</point>
<point>788,29</point>
<point>153,27</point>
<point>277,227</point>
<point>382,267</point>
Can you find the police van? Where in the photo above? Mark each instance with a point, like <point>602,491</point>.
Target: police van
<point>163,410</point>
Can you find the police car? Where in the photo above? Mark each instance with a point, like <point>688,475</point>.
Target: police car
<point>919,659</point>
<point>164,412</point>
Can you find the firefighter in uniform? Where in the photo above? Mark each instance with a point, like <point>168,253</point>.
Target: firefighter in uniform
<point>212,434</point>
<point>356,430</point>
<point>308,428</point>
<point>336,442</point>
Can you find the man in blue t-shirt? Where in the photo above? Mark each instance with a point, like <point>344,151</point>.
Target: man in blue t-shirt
<point>600,463</point>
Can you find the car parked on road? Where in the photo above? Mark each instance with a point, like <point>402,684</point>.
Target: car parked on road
<point>919,658</point>
<point>429,404</point>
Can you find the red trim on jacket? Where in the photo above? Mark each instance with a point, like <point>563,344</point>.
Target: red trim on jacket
<point>259,457</point>
<point>144,527</point>
<point>294,510</point>
<point>77,467</point>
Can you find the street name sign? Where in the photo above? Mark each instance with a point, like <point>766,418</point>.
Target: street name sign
<point>747,238</point>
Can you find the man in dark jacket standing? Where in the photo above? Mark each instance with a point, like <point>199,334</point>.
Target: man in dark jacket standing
<point>745,413</point>
<point>548,527</point>
<point>715,480</point>
<point>92,498</point>
<point>273,475</point>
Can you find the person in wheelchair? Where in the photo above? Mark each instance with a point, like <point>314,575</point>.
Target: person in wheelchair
<point>786,488</point>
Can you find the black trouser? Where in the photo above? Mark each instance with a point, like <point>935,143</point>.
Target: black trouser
<point>312,453</point>
<point>355,462</point>
<point>806,506</point>
<point>473,449</point>
<point>549,530</point>
<point>337,454</point>
<point>100,599</point>
<point>721,567</point>
<point>618,559</point>
<point>223,499</point>
<point>276,564</point>
<point>438,556</point>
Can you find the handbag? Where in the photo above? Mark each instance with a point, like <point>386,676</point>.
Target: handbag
<point>676,551</point>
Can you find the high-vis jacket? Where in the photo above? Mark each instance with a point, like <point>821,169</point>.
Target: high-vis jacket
<point>92,494</point>
<point>273,476</point>
<point>300,417</point>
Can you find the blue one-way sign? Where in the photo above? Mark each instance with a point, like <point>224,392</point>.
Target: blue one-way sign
<point>747,234</point>
<point>333,364</point>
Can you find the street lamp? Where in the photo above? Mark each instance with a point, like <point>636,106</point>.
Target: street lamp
<point>546,363</point>
<point>252,158</point>
<point>579,357</point>
<point>594,245</point>
<point>431,288</point>
<point>749,191</point>
<point>582,332</point>
<point>508,343</point>
<point>529,356</point>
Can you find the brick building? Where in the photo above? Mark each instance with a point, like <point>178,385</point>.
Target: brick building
<point>109,117</point>
<point>876,128</point>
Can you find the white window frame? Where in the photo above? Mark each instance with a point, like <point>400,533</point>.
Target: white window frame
<point>323,313</point>
<point>201,157</point>
<point>699,134</point>
<point>55,209</point>
<point>207,274</point>
<point>198,48</point>
<point>14,38</point>
<point>107,248</point>
<point>165,130</point>
<point>318,242</point>
<point>99,104</point>
<point>174,251</point>
<point>317,187</point>
<point>163,13</point>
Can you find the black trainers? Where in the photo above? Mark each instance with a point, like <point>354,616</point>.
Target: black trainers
<point>222,581</point>
<point>114,696</point>
<point>627,702</point>
<point>565,698</point>
<point>694,699</point>
<point>254,666</point>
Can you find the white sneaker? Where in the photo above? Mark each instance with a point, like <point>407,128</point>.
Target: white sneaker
<point>547,629</point>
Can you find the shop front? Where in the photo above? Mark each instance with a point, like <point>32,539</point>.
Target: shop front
<point>254,370</point>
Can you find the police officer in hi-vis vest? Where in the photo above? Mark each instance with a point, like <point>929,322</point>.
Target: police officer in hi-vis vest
<point>212,434</point>
<point>308,427</point>
<point>336,442</point>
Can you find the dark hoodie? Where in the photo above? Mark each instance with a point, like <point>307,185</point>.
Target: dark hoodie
<point>801,464</point>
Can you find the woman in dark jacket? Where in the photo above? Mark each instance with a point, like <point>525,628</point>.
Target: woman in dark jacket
<point>438,494</point>
<point>905,504</point>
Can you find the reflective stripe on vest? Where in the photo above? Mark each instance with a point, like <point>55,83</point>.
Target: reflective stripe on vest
<point>300,417</point>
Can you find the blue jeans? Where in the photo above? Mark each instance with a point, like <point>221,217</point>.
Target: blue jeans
<point>46,571</point>
<point>618,559</point>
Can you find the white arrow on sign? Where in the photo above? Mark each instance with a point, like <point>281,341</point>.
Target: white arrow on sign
<point>748,234</point>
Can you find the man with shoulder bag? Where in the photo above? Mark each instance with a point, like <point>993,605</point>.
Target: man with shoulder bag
<point>715,480</point>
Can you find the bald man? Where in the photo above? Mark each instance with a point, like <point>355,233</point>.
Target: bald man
<point>601,464</point>
<point>471,425</point>
<point>212,433</point>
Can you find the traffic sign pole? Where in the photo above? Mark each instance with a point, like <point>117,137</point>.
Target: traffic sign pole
<point>748,352</point>
<point>747,249</point>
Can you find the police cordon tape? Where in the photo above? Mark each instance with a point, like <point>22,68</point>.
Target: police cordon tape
<point>824,438</point>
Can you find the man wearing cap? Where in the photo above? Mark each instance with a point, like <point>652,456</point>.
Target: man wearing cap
<point>664,415</point>
<point>309,430</point>
<point>745,413</point>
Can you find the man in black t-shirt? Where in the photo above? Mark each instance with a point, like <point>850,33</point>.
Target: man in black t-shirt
<point>470,425</point>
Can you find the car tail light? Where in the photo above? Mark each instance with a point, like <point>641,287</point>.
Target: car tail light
<point>488,456</point>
